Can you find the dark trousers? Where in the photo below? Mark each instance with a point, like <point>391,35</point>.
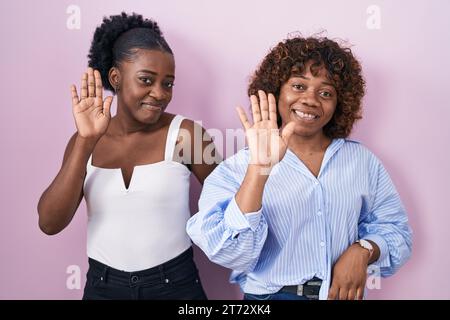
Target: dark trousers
<point>176,279</point>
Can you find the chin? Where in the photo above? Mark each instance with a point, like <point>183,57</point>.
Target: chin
<point>306,128</point>
<point>149,118</point>
<point>303,131</point>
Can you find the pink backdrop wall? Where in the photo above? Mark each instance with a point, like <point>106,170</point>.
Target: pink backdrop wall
<point>405,55</point>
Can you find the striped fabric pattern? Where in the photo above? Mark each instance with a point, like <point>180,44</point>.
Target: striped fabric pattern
<point>305,223</point>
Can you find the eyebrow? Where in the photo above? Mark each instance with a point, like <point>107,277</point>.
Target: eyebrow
<point>154,73</point>
<point>323,82</point>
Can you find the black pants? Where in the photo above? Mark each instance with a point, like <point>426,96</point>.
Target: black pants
<point>175,279</point>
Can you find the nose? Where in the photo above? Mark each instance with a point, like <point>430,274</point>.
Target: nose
<point>309,98</point>
<point>157,92</point>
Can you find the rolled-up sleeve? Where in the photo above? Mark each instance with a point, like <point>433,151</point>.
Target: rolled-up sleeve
<point>386,223</point>
<point>226,235</point>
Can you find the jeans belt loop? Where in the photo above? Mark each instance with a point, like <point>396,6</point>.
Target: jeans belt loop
<point>105,274</point>
<point>300,290</point>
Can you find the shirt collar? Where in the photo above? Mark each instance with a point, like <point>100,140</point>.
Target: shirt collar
<point>292,160</point>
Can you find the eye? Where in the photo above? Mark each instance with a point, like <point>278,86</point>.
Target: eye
<point>169,84</point>
<point>146,80</point>
<point>298,86</point>
<point>326,94</point>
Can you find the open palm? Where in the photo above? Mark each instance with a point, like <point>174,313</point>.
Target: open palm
<point>267,147</point>
<point>91,112</point>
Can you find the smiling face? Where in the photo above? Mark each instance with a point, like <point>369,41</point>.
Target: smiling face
<point>308,100</point>
<point>145,84</point>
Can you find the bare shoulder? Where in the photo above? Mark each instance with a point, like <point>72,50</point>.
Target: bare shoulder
<point>188,124</point>
<point>192,127</point>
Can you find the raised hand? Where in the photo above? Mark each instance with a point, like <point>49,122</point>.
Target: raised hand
<point>267,147</point>
<point>91,112</point>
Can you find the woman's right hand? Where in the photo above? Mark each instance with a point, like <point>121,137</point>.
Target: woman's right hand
<point>267,145</point>
<point>91,112</point>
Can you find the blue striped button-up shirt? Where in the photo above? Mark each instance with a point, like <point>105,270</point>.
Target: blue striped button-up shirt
<point>305,223</point>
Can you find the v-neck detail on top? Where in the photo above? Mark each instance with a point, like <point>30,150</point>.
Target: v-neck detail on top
<point>135,167</point>
<point>171,138</point>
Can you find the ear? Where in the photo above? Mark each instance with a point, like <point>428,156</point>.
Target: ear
<point>114,78</point>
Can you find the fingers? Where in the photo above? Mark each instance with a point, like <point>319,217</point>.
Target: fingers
<point>107,106</point>
<point>333,293</point>
<point>75,99</point>
<point>343,293</point>
<point>91,83</point>
<point>243,117</point>
<point>360,294</point>
<point>84,86</point>
<point>272,109</point>
<point>264,105</point>
<point>98,84</point>
<point>287,132</point>
<point>351,294</point>
<point>255,109</point>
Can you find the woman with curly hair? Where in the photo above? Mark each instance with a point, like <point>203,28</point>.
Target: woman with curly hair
<point>302,211</point>
<point>135,183</point>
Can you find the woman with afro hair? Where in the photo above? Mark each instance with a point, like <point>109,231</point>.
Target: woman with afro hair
<point>131,169</point>
<point>303,211</point>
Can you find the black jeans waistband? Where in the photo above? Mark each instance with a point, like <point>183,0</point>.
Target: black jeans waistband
<point>175,279</point>
<point>154,272</point>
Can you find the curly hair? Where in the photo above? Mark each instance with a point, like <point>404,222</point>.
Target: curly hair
<point>117,39</point>
<point>289,57</point>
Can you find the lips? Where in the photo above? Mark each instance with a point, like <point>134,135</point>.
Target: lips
<point>152,106</point>
<point>305,115</point>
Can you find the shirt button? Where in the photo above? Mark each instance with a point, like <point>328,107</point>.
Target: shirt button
<point>134,279</point>
<point>322,244</point>
<point>319,213</point>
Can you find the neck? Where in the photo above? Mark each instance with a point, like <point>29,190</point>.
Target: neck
<point>309,144</point>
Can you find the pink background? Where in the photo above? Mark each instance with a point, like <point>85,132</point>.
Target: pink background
<point>217,45</point>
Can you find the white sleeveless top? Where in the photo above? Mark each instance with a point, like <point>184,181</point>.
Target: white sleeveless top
<point>145,225</point>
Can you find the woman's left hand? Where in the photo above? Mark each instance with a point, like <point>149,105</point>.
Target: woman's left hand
<point>350,274</point>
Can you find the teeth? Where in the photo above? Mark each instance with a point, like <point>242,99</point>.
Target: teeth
<point>305,115</point>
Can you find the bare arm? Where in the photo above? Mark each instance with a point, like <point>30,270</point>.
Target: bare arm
<point>250,194</point>
<point>201,155</point>
<point>61,199</point>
